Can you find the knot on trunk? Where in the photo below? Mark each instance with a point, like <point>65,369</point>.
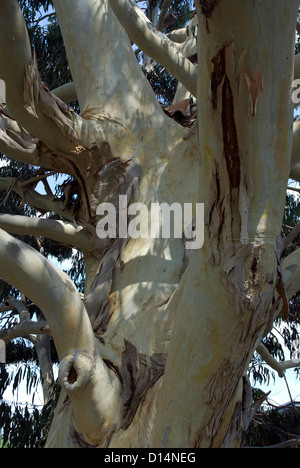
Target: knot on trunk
<point>75,371</point>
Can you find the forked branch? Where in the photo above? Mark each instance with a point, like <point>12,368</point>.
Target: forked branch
<point>154,43</point>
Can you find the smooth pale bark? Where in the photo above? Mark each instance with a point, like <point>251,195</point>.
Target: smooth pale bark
<point>60,231</point>
<point>91,30</point>
<point>156,354</point>
<point>217,327</point>
<point>82,371</point>
<point>24,329</point>
<point>156,45</point>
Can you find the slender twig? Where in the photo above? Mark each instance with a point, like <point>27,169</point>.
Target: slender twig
<point>44,17</point>
<point>294,189</point>
<point>37,178</point>
<point>289,239</point>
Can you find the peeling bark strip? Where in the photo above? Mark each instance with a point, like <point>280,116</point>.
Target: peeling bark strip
<point>217,74</point>
<point>250,289</point>
<point>139,373</point>
<point>78,440</point>
<point>125,178</point>
<point>38,98</point>
<point>234,92</point>
<point>230,138</point>
<point>231,147</point>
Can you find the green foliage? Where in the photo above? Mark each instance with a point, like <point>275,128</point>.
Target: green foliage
<point>289,331</point>
<point>273,427</point>
<point>25,426</point>
<point>163,83</point>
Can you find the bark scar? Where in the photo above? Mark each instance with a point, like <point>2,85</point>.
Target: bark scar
<point>230,138</point>
<point>207,8</point>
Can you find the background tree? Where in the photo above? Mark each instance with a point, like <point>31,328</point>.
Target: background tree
<point>150,307</point>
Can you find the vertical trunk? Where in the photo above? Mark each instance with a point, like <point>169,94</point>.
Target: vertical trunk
<point>221,306</point>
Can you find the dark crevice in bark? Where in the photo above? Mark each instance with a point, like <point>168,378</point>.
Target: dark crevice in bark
<point>230,139</point>
<point>139,373</point>
<point>72,376</point>
<point>207,8</point>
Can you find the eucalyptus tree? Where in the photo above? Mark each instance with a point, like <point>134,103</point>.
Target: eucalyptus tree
<point>155,353</point>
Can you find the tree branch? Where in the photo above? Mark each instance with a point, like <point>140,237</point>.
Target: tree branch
<point>27,98</point>
<point>163,13</point>
<point>154,43</point>
<point>60,231</point>
<point>24,329</point>
<point>282,445</point>
<point>294,189</point>
<point>67,92</point>
<point>178,35</point>
<point>42,203</point>
<point>93,390</point>
<point>91,30</point>
<point>15,143</point>
<point>279,367</point>
<point>20,308</point>
<point>289,239</point>
<point>291,270</point>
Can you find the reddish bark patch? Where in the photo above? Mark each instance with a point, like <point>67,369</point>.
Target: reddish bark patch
<point>231,147</point>
<point>217,74</point>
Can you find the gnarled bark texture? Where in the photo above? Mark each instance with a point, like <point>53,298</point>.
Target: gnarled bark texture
<point>157,352</point>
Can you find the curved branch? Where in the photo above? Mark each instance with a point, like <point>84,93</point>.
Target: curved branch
<point>279,367</point>
<point>66,93</point>
<point>93,390</point>
<point>154,43</point>
<point>60,231</point>
<point>178,35</point>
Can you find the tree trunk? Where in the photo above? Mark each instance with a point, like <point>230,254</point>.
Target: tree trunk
<point>157,354</point>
